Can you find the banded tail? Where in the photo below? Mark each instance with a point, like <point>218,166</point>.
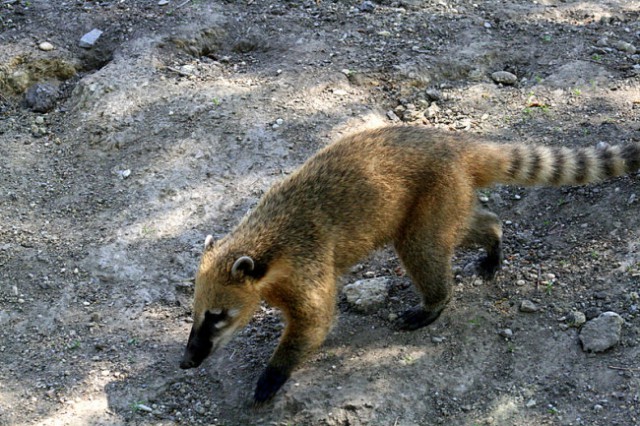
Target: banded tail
<point>551,166</point>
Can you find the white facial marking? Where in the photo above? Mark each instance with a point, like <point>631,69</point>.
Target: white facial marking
<point>216,311</point>
<point>234,312</point>
<point>220,324</point>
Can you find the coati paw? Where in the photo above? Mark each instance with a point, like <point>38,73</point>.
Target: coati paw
<point>417,317</point>
<point>270,381</point>
<point>489,266</point>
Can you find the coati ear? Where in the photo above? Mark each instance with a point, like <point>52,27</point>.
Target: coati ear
<point>208,242</point>
<point>245,266</point>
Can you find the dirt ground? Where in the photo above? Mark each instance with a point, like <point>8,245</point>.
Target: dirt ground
<point>182,114</point>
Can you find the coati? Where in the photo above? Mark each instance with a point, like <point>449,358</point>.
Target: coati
<point>413,187</point>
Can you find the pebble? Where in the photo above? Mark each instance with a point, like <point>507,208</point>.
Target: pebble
<point>575,319</point>
<point>437,339</point>
<point>163,2</point>
<point>39,119</point>
<point>433,94</point>
<point>528,306</point>
<point>392,116</point>
<point>45,46</point>
<point>367,295</point>
<point>504,77</point>
<point>597,408</point>
<point>531,403</point>
<point>507,333</point>
<point>367,6</point>
<point>89,39</point>
<point>601,333</point>
<point>392,317</point>
<point>143,407</point>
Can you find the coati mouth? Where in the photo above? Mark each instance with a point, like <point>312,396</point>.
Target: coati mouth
<point>212,334</point>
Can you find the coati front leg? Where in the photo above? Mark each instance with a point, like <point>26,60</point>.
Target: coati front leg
<point>309,317</point>
<point>485,230</point>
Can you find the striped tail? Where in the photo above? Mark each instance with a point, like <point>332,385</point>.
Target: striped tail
<point>551,166</point>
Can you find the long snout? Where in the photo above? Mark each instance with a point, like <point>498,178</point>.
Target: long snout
<point>197,350</point>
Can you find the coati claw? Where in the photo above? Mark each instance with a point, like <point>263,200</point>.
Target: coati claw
<point>270,381</point>
<point>417,317</point>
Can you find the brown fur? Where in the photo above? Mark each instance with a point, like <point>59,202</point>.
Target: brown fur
<point>410,186</point>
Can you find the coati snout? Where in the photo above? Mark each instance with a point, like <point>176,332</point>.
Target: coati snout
<point>412,187</point>
<point>201,339</point>
<point>215,330</point>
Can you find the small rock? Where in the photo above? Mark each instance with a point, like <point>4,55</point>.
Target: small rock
<point>46,46</point>
<point>597,408</point>
<point>531,403</point>
<point>528,306</point>
<point>602,42</point>
<point>437,339</point>
<point>367,295</point>
<point>42,97</point>
<point>433,94</point>
<point>89,39</point>
<point>601,333</point>
<point>507,333</point>
<point>575,319</point>
<point>392,116</point>
<point>163,2</point>
<point>592,312</point>
<point>393,317</point>
<point>367,6</point>
<point>143,407</point>
<point>504,77</point>
<point>433,110</point>
<point>623,46</point>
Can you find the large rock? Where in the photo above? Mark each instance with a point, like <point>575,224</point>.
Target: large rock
<point>504,77</point>
<point>601,333</point>
<point>42,97</point>
<point>367,295</point>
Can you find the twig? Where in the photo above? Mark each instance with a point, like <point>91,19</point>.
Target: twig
<point>613,367</point>
<point>182,4</point>
<point>182,73</point>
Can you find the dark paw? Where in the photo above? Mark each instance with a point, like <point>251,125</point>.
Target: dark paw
<point>416,318</point>
<point>269,382</point>
<point>489,265</point>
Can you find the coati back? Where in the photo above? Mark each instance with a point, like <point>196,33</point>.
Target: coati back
<point>410,186</point>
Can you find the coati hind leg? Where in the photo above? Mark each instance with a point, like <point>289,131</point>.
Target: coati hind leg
<point>485,230</point>
<point>426,255</point>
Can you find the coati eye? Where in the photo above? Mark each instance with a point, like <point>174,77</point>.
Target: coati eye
<point>215,318</point>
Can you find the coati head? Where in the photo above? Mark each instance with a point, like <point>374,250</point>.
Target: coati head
<point>225,299</point>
